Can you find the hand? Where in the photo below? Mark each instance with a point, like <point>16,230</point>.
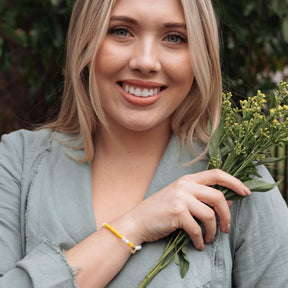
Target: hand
<point>190,196</point>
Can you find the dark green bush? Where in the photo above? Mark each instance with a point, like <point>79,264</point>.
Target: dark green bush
<point>254,35</point>
<point>32,44</point>
<point>37,28</point>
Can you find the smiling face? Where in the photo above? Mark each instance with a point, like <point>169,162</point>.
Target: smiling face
<point>143,68</point>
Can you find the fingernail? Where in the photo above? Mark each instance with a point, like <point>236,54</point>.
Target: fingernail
<point>227,229</point>
<point>210,240</point>
<point>247,191</point>
<point>202,247</point>
<point>229,202</point>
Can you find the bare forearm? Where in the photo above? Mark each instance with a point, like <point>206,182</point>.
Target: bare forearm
<point>101,256</point>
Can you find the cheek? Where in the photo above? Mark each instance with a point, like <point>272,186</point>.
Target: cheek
<point>180,69</point>
<point>108,60</point>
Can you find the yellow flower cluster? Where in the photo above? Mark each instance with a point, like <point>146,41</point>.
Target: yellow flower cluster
<point>247,132</point>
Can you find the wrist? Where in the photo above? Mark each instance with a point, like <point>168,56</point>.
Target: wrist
<point>128,226</point>
<point>133,247</point>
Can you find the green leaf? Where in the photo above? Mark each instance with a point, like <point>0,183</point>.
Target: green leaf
<point>230,161</point>
<point>2,4</point>
<point>18,35</point>
<point>184,267</point>
<point>260,185</point>
<point>214,145</point>
<point>184,262</point>
<point>285,29</point>
<point>55,2</point>
<point>271,160</point>
<point>225,150</point>
<point>254,185</point>
<point>272,101</point>
<point>1,46</point>
<point>209,126</point>
<point>177,259</point>
<point>231,195</point>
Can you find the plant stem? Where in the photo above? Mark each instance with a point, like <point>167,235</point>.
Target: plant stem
<point>165,259</point>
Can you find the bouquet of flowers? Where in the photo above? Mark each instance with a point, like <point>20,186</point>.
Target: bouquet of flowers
<point>242,141</point>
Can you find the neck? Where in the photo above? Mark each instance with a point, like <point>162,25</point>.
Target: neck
<point>120,143</point>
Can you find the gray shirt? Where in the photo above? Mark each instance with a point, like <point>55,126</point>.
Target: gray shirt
<point>46,208</point>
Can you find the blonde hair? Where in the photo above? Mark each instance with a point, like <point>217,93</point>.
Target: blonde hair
<point>203,102</point>
<point>81,110</point>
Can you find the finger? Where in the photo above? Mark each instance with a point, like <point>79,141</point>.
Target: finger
<point>208,195</point>
<point>206,215</point>
<point>216,176</point>
<point>217,201</point>
<point>193,229</point>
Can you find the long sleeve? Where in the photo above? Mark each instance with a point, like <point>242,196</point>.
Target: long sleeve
<point>260,239</point>
<point>45,265</point>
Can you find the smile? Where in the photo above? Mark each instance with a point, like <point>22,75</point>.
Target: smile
<point>141,91</point>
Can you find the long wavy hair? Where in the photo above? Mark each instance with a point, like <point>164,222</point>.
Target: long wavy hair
<point>81,111</point>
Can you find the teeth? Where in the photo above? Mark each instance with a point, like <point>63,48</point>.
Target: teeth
<point>145,93</point>
<point>140,92</point>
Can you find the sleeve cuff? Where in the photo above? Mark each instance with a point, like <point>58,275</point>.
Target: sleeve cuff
<point>48,267</point>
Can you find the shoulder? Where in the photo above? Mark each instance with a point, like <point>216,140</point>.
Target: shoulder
<point>29,147</point>
<point>27,143</point>
<point>261,211</point>
<point>23,150</point>
<point>265,200</point>
<point>24,145</point>
<point>25,140</point>
<point>259,234</point>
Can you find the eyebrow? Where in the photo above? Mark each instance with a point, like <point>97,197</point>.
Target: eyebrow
<point>134,21</point>
<point>123,18</point>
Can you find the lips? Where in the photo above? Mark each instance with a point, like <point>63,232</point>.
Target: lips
<point>141,89</point>
<point>141,93</point>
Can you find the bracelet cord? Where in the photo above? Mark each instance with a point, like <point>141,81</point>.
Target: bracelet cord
<point>124,239</point>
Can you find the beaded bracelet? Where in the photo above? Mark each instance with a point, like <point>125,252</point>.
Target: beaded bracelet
<point>133,248</point>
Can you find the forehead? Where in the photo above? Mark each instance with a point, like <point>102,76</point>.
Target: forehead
<point>150,9</point>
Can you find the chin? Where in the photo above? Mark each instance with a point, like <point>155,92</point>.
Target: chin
<point>139,126</point>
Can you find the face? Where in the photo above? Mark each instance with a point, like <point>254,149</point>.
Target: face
<point>143,67</point>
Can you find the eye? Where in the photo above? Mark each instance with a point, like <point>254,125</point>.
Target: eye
<point>175,39</point>
<point>120,32</point>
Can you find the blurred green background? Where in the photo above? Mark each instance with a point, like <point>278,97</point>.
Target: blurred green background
<point>254,54</point>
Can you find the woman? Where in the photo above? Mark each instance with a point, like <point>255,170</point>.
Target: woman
<point>142,77</point>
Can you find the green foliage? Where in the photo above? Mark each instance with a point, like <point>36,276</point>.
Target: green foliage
<point>32,36</point>
<point>254,43</point>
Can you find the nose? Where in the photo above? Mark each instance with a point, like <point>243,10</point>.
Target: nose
<point>145,57</point>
